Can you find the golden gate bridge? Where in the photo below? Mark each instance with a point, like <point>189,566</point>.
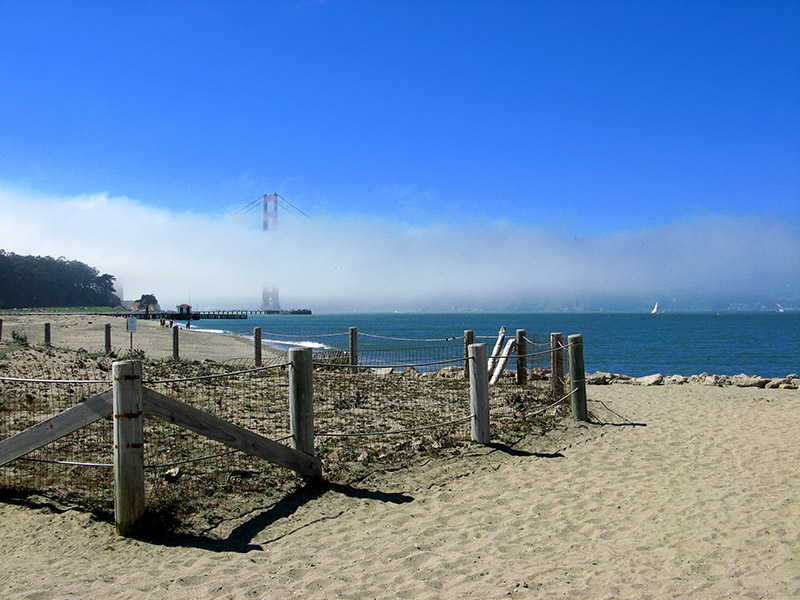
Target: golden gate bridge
<point>270,301</point>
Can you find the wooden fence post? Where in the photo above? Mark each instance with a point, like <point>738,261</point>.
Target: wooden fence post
<point>108,338</point>
<point>47,334</point>
<point>354,349</point>
<point>176,354</point>
<point>557,365</point>
<point>479,393</point>
<point>128,445</point>
<point>257,344</point>
<point>1,330</point>
<point>522,358</point>
<point>469,338</point>
<point>577,377</point>
<point>301,399</point>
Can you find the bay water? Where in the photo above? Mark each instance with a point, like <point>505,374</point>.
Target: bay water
<point>765,344</point>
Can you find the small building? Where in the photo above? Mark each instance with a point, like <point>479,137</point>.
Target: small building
<point>184,309</point>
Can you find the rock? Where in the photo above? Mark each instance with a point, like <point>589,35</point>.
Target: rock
<point>743,380</point>
<point>384,371</point>
<point>538,374</point>
<point>617,378</point>
<point>172,475</point>
<point>598,378</point>
<point>656,379</point>
<point>776,383</point>
<point>697,378</point>
<point>714,380</point>
<point>411,372</point>
<point>451,372</point>
<point>676,380</point>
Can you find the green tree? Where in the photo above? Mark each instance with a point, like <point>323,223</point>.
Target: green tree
<point>148,301</point>
<point>36,281</point>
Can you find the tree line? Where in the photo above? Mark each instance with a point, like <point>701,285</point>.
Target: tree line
<point>36,281</point>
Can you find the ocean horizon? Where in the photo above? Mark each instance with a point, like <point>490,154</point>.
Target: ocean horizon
<point>635,344</point>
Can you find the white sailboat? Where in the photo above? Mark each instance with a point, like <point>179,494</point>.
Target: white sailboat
<point>655,309</point>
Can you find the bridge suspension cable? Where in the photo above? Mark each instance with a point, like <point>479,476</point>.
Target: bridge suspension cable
<point>281,202</point>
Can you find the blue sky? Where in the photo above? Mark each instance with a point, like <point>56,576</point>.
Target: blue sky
<point>605,121</point>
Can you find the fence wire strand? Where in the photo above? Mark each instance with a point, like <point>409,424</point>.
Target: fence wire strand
<point>387,407</point>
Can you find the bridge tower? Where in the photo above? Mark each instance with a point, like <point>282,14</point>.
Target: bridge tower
<point>270,212</point>
<point>269,295</point>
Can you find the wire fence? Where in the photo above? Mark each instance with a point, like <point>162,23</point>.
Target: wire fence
<point>53,469</point>
<point>392,406</point>
<point>388,412</point>
<point>180,463</point>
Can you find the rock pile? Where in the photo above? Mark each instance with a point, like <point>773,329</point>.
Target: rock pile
<point>790,382</point>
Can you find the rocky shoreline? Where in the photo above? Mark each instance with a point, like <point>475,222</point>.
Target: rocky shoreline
<point>790,382</point>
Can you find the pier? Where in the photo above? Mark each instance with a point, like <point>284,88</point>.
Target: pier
<point>210,314</point>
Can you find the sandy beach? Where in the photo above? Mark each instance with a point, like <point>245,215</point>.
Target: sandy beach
<point>88,332</point>
<point>672,491</point>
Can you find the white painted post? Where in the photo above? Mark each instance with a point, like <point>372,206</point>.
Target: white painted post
<point>108,338</point>
<point>176,354</point>
<point>502,360</point>
<point>301,399</point>
<point>577,377</point>
<point>354,349</point>
<point>257,344</point>
<point>492,363</point>
<point>128,445</point>
<point>479,393</point>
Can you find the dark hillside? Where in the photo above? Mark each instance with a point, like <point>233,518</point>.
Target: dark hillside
<point>36,281</point>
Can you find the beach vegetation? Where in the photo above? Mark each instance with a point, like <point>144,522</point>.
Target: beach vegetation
<point>19,338</point>
<point>194,483</point>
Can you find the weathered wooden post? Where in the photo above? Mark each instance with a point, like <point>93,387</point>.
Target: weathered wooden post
<point>301,399</point>
<point>257,344</point>
<point>47,334</point>
<point>176,354</point>
<point>557,365</point>
<point>108,338</point>
<point>495,356</point>
<point>354,349</point>
<point>577,377</point>
<point>128,445</point>
<point>1,330</point>
<point>469,338</point>
<point>479,393</point>
<point>522,357</point>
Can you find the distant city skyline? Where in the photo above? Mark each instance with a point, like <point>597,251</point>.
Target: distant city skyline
<point>449,154</point>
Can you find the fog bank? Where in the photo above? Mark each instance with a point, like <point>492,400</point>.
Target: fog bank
<point>353,264</point>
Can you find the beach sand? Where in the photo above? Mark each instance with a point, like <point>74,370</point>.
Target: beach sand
<point>673,492</point>
<point>88,332</point>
